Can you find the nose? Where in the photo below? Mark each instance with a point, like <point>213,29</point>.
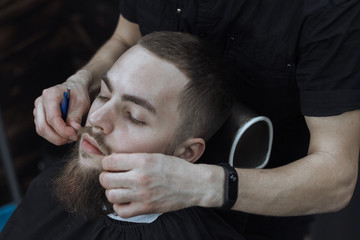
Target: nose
<point>102,118</point>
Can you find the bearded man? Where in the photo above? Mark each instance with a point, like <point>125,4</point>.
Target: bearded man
<point>166,95</point>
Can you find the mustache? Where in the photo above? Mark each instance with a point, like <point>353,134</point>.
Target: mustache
<point>98,137</point>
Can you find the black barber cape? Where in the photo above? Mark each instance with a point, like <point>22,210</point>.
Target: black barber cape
<point>41,216</point>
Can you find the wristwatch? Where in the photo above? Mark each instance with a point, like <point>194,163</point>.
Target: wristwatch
<point>231,186</point>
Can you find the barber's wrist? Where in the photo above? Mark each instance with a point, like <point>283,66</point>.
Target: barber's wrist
<point>81,78</point>
<point>89,82</point>
<point>211,186</point>
<point>86,77</point>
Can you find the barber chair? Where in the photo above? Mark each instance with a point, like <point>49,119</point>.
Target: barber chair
<point>244,140</point>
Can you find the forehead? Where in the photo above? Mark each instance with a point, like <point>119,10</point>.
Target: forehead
<point>140,71</point>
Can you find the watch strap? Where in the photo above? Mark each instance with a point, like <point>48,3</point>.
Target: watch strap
<point>231,186</point>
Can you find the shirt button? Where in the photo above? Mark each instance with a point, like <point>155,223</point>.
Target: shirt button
<point>178,10</point>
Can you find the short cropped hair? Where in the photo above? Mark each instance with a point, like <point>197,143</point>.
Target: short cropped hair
<point>206,101</point>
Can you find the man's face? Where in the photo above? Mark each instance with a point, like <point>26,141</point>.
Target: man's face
<point>136,111</point>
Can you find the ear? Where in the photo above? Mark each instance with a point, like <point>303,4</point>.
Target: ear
<point>191,149</point>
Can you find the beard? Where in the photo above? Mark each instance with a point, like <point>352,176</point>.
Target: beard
<point>79,189</point>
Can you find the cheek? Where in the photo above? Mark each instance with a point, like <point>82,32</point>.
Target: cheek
<point>140,142</point>
<point>158,141</point>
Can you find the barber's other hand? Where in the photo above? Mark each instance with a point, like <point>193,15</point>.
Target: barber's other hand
<point>47,113</point>
<point>153,183</point>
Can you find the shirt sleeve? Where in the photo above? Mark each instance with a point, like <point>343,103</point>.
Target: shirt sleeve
<point>128,8</point>
<point>328,72</point>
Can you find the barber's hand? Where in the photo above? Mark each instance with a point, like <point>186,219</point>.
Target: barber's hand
<point>47,113</point>
<point>153,183</point>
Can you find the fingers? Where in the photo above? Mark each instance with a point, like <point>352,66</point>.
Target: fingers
<point>127,183</point>
<point>44,129</point>
<point>131,209</point>
<point>120,196</point>
<point>127,162</point>
<point>112,180</point>
<point>117,162</point>
<point>79,105</point>
<point>51,99</point>
<point>47,113</point>
<point>129,206</point>
<point>130,201</point>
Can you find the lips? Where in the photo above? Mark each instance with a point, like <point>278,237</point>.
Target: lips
<point>89,145</point>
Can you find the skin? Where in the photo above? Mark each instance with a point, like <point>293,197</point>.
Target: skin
<point>323,181</point>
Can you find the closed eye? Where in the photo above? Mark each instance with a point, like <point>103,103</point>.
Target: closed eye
<point>102,98</point>
<point>135,121</point>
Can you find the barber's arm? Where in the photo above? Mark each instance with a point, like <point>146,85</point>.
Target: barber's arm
<point>48,121</point>
<point>323,181</point>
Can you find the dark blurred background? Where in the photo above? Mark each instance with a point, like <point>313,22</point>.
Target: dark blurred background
<point>44,42</point>
<point>41,44</point>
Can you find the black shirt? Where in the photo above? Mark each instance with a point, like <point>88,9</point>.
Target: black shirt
<point>288,59</point>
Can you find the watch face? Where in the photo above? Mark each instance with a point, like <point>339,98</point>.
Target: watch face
<point>233,186</point>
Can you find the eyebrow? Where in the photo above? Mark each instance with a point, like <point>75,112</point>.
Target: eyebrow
<point>130,98</point>
<point>105,79</point>
<point>139,101</point>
